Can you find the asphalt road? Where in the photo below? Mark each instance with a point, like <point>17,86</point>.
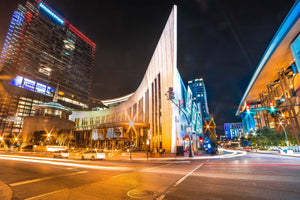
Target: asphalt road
<point>254,176</point>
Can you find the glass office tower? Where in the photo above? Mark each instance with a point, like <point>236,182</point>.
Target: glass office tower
<point>199,95</point>
<point>41,52</point>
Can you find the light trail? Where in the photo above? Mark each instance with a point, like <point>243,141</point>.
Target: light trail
<point>44,161</point>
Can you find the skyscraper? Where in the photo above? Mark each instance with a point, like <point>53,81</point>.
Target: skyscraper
<point>199,95</point>
<point>43,50</point>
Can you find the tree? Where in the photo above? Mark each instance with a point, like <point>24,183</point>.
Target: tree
<point>39,137</point>
<point>269,137</point>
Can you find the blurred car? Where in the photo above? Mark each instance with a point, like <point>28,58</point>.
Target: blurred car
<point>61,154</point>
<point>93,155</point>
<point>27,148</point>
<point>288,151</point>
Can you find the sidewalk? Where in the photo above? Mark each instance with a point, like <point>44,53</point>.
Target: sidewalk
<point>5,191</point>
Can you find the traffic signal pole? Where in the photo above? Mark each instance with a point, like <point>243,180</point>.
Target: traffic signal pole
<point>171,96</point>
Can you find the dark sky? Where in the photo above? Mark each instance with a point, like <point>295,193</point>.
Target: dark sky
<point>221,41</point>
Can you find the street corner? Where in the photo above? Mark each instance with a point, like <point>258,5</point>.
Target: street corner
<point>5,191</point>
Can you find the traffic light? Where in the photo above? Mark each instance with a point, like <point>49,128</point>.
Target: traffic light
<point>171,94</point>
<point>248,108</point>
<point>201,140</point>
<point>271,105</point>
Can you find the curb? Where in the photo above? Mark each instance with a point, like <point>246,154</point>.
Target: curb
<point>5,191</point>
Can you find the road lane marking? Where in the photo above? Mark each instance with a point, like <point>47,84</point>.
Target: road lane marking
<point>162,195</point>
<point>188,174</point>
<point>42,195</point>
<point>46,178</point>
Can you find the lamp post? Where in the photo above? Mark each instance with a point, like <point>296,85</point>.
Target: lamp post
<point>130,143</point>
<point>286,139</point>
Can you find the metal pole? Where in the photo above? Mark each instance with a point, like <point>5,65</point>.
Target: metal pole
<point>187,119</point>
<point>286,139</point>
<point>190,154</point>
<point>130,158</point>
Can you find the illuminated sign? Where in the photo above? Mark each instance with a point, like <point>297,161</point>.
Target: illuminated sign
<point>51,13</point>
<point>40,88</point>
<point>28,84</point>
<point>17,81</point>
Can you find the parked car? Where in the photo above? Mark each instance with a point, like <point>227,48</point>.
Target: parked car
<point>93,155</point>
<point>288,151</point>
<point>27,148</point>
<point>61,154</point>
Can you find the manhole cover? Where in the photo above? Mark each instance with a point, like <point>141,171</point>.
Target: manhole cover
<point>138,193</point>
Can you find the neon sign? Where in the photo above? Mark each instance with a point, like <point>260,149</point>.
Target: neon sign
<point>51,13</point>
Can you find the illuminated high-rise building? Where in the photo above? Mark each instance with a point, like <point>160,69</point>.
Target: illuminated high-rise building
<point>42,51</point>
<point>199,95</point>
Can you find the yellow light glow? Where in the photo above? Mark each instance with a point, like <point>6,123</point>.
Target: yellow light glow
<point>16,139</point>
<point>48,135</point>
<point>131,123</point>
<point>1,138</point>
<point>207,126</point>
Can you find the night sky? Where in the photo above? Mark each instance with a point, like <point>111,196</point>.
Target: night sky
<point>221,41</point>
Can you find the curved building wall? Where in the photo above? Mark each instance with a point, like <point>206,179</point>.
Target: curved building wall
<point>148,105</point>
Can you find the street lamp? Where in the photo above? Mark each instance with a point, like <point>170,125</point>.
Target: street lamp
<point>131,125</point>
<point>286,139</point>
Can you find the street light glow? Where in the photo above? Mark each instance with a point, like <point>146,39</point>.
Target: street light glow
<point>207,126</point>
<point>48,134</point>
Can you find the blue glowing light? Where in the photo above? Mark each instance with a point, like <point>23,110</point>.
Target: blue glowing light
<point>51,13</point>
<point>28,84</point>
<point>17,81</point>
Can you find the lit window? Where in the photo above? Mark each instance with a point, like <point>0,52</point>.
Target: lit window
<point>45,70</point>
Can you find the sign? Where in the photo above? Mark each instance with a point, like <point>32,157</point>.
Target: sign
<point>51,13</point>
<point>29,84</point>
<point>95,134</point>
<point>116,132</point>
<point>259,109</point>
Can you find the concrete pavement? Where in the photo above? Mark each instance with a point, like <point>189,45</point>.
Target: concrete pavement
<point>5,191</point>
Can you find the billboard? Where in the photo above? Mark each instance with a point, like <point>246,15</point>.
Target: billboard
<point>34,86</point>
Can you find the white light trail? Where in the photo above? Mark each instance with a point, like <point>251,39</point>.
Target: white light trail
<point>44,161</point>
